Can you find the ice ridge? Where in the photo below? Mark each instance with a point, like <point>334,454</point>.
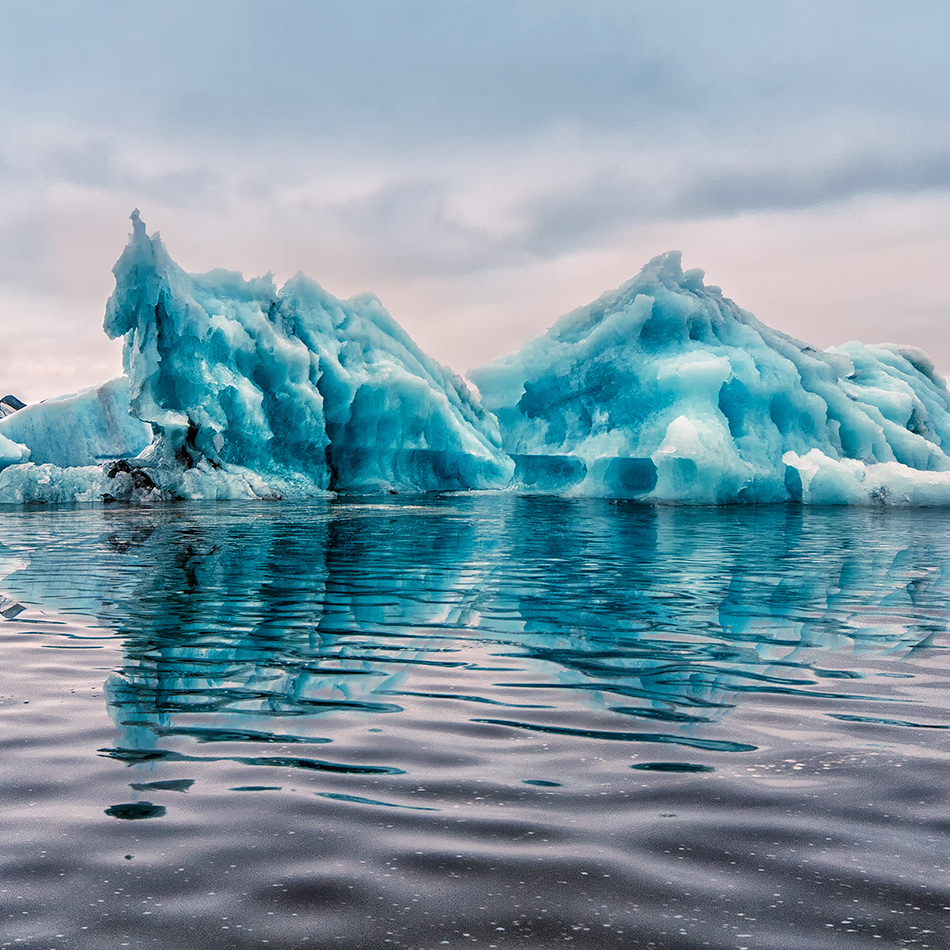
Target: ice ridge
<point>665,390</point>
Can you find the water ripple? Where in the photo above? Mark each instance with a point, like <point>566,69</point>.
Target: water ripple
<point>296,698</point>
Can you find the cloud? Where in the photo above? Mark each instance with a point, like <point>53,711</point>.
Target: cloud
<point>410,74</point>
<point>24,259</point>
<point>795,186</point>
<point>500,206</point>
<point>712,185</point>
<point>425,223</point>
<point>471,159</point>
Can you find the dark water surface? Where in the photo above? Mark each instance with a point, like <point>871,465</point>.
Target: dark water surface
<point>476,721</point>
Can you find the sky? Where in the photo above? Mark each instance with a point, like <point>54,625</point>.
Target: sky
<point>483,167</point>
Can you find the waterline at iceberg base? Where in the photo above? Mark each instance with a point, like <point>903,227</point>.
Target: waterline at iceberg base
<point>661,391</point>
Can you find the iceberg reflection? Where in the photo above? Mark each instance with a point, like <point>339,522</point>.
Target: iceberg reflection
<point>252,623</point>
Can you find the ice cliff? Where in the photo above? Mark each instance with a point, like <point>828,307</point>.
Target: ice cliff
<point>661,391</point>
<point>665,390</point>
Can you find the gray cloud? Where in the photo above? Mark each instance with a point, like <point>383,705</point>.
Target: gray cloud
<point>399,75</point>
<point>94,164</point>
<point>25,253</point>
<point>599,208</point>
<point>271,88</point>
<point>98,164</point>
<point>775,188</point>
<point>410,224</point>
<point>235,120</point>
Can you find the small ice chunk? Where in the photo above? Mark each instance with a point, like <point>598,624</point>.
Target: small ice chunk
<point>81,429</point>
<point>12,453</point>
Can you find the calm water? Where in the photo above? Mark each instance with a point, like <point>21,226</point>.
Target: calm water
<point>476,721</point>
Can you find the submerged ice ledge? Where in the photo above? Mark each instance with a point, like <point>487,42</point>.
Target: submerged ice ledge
<point>662,391</point>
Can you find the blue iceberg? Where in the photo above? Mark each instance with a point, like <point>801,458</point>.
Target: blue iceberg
<point>255,391</point>
<point>55,448</point>
<point>83,429</point>
<point>661,391</point>
<point>664,390</point>
<point>293,391</point>
<point>236,389</point>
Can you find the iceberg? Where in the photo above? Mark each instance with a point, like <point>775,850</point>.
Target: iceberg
<point>52,451</point>
<point>235,389</point>
<point>81,429</point>
<point>664,390</point>
<point>251,391</point>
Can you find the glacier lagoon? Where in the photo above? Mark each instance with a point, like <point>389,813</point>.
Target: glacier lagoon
<point>643,642</point>
<point>475,719</point>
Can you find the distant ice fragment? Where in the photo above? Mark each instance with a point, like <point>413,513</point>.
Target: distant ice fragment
<point>82,429</point>
<point>10,609</point>
<point>10,404</point>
